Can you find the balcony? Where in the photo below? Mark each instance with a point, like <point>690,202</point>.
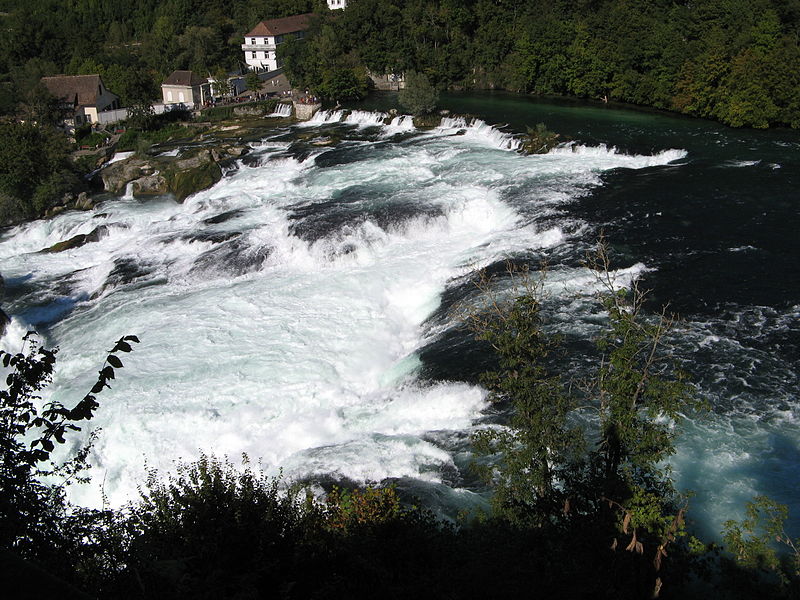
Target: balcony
<point>258,47</point>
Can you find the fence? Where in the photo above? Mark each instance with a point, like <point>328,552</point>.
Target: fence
<point>108,117</point>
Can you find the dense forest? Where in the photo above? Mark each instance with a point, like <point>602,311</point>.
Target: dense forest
<point>736,61</point>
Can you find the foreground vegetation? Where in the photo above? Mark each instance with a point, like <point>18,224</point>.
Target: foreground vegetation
<point>581,507</point>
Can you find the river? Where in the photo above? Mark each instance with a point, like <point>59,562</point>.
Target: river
<point>304,309</point>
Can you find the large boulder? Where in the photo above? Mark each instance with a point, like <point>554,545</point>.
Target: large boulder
<point>116,176</point>
<point>193,171</point>
<point>84,202</point>
<point>150,185</point>
<point>192,174</point>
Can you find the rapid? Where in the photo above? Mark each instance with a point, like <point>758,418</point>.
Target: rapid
<point>304,310</point>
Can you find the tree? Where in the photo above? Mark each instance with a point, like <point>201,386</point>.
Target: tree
<point>418,97</point>
<point>141,116</point>
<point>541,473</point>
<point>751,541</point>
<point>35,522</point>
<point>253,81</point>
<point>35,170</point>
<point>343,84</point>
<point>538,443</point>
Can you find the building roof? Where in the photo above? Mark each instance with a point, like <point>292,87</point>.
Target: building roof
<point>82,90</point>
<point>282,26</point>
<point>184,78</point>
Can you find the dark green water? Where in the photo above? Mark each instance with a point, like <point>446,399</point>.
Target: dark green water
<point>719,232</point>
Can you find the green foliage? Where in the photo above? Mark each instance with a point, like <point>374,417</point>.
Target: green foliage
<point>141,141</point>
<point>252,80</point>
<point>210,528</point>
<point>539,140</point>
<point>733,60</point>
<point>752,540</point>
<point>35,522</point>
<point>347,510</point>
<point>418,97</point>
<point>343,84</point>
<point>538,444</point>
<point>141,117</point>
<point>542,473</point>
<point>35,170</point>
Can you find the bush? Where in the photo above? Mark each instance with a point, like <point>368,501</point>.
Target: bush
<point>418,97</point>
<point>35,521</point>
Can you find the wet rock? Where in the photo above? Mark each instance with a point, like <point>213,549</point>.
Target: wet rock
<point>150,185</point>
<point>55,210</point>
<point>222,217</point>
<point>84,202</point>
<point>192,175</point>
<point>77,241</point>
<point>117,175</point>
<point>249,111</point>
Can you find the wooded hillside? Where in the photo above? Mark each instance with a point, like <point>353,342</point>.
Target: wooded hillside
<point>737,61</point>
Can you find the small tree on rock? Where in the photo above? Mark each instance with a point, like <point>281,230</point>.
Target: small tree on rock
<point>418,97</point>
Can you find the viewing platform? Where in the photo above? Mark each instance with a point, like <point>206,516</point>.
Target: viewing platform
<point>305,106</point>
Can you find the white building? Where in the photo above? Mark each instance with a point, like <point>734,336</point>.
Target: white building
<point>260,45</point>
<point>334,4</point>
<point>185,87</point>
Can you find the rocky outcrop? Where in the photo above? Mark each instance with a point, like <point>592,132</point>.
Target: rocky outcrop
<point>194,170</point>
<point>84,202</point>
<point>116,176</point>
<point>249,111</point>
<point>149,185</point>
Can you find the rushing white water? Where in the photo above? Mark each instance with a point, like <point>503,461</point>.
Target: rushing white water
<point>282,109</point>
<point>363,118</point>
<point>324,117</point>
<point>280,312</point>
<point>118,156</point>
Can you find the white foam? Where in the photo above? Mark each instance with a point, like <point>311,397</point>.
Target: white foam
<point>323,117</point>
<point>609,158</point>
<point>118,156</point>
<point>282,109</point>
<point>363,118</point>
<point>305,359</point>
<point>400,124</point>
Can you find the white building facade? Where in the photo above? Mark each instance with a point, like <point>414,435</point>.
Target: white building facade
<point>336,4</point>
<point>261,44</point>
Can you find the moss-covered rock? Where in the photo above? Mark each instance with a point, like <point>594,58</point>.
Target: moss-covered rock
<point>183,182</point>
<point>539,140</point>
<point>117,175</point>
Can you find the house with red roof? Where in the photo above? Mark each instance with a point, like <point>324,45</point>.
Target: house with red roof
<point>261,44</point>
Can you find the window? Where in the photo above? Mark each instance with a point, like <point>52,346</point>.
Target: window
<point>253,41</point>
<point>169,95</point>
<point>254,55</point>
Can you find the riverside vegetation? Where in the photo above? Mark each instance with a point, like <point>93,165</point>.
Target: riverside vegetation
<point>583,506</point>
<point>736,61</point>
